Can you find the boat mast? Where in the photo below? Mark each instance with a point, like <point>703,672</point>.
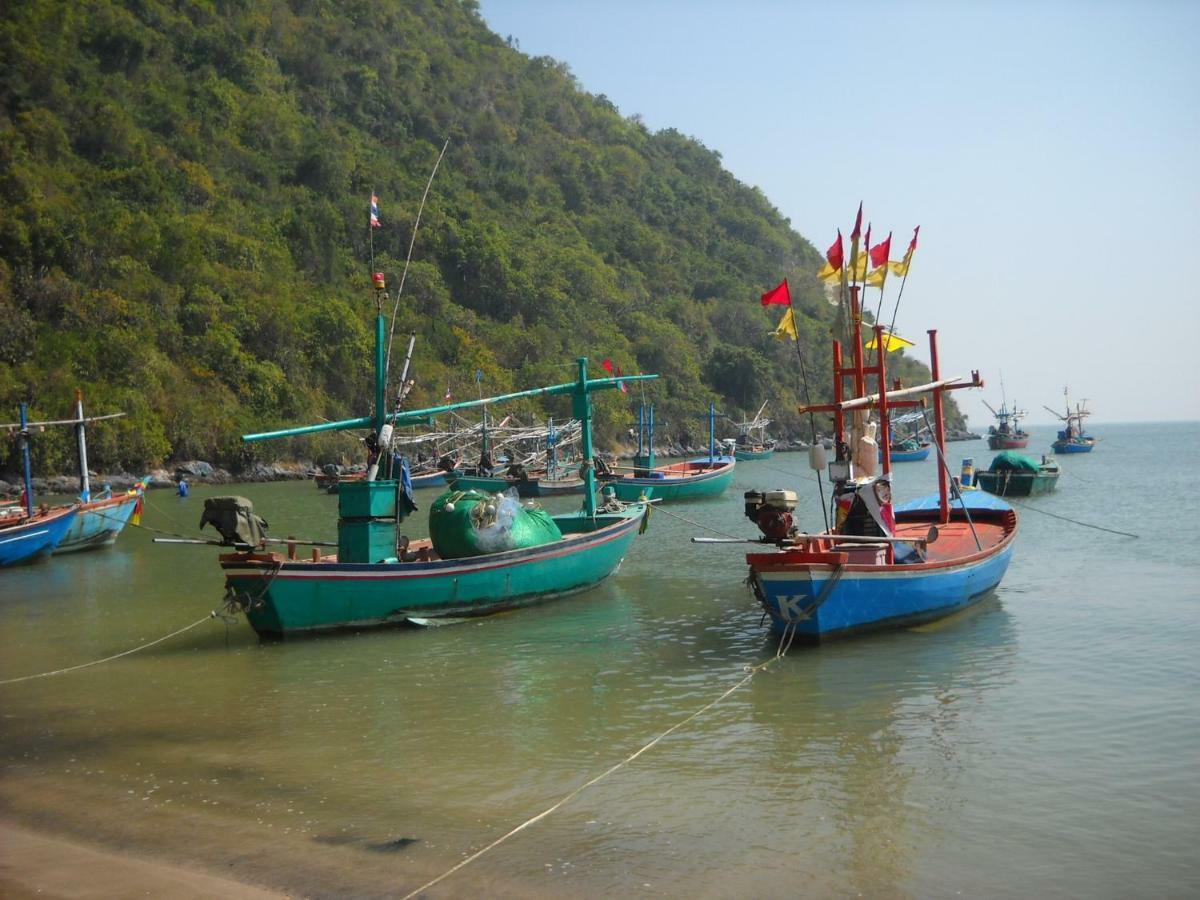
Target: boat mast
<point>85,488</point>
<point>939,431</point>
<point>28,475</point>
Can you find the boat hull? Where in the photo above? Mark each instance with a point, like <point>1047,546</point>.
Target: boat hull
<point>1073,446</point>
<point>429,479</point>
<point>909,455</point>
<point>695,479</point>
<point>834,598</point>
<point>741,455</point>
<point>530,487</point>
<point>1017,484</point>
<point>292,596</point>
<point>30,540</point>
<point>1007,442</point>
<point>98,523</point>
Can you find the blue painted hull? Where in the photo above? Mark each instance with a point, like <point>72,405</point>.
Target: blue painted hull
<point>98,524</point>
<point>429,479</point>
<point>1072,447</point>
<point>908,455</point>
<point>23,543</point>
<point>872,600</point>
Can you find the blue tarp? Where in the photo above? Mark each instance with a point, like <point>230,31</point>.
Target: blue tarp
<point>972,499</point>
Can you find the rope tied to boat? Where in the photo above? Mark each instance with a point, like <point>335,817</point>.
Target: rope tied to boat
<point>219,613</point>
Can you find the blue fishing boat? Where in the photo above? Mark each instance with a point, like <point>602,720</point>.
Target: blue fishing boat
<point>909,450</point>
<point>1072,438</point>
<point>706,476</point>
<point>27,533</point>
<point>875,566</point>
<point>100,522</point>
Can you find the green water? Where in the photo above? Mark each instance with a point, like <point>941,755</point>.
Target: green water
<point>1042,744</point>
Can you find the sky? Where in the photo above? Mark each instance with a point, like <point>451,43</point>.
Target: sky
<point>1050,152</point>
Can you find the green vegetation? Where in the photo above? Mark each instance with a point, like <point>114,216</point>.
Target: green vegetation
<point>184,233</point>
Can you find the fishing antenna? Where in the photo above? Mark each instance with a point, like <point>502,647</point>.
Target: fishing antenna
<point>408,259</point>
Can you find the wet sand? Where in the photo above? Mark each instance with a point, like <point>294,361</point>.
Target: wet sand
<point>33,864</point>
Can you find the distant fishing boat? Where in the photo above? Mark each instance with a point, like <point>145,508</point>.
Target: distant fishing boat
<point>693,479</point>
<point>910,448</point>
<point>1017,475</point>
<point>752,441</point>
<point>380,577</point>
<point>554,479</point>
<point>97,522</point>
<point>1007,433</point>
<point>27,534</point>
<point>877,566</point>
<point>1072,438</point>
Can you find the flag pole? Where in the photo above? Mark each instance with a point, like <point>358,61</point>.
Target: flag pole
<point>908,255</point>
<point>812,423</point>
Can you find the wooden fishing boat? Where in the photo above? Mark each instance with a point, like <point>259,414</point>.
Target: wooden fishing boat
<point>706,476</point>
<point>1007,433</point>
<point>752,441</point>
<point>1017,475</point>
<point>909,450</point>
<point>27,533</point>
<point>877,566</point>
<point>379,577</point>
<point>100,522</point>
<point>1072,438</point>
<point>538,483</point>
<point>93,522</point>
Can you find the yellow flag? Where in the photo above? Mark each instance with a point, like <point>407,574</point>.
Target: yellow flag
<point>787,328</point>
<point>901,268</point>
<point>890,342</point>
<point>856,273</point>
<point>877,277</point>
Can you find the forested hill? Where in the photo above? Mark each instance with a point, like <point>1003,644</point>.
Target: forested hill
<point>184,230</point>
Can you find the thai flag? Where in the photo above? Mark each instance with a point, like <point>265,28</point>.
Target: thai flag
<point>375,212</point>
<point>447,397</point>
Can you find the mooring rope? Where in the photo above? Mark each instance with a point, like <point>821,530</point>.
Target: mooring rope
<point>1072,521</point>
<point>660,509</point>
<point>212,615</point>
<point>751,671</point>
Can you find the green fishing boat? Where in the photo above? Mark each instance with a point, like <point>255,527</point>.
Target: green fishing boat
<point>693,479</point>
<point>1017,475</point>
<point>379,577</point>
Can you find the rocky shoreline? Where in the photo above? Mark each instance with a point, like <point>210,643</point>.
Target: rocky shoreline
<point>201,472</point>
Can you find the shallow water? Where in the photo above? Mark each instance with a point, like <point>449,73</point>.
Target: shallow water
<point>1041,744</point>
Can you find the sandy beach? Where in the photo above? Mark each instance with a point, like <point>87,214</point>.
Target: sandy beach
<point>33,864</point>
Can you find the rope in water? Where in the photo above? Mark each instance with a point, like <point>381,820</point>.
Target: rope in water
<point>660,509</point>
<point>1072,521</point>
<point>212,615</point>
<point>751,671</point>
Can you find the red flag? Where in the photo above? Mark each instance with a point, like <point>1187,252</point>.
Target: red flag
<point>834,255</point>
<point>621,384</point>
<point>857,232</point>
<point>912,245</point>
<point>779,294</point>
<point>608,367</point>
<point>879,253</point>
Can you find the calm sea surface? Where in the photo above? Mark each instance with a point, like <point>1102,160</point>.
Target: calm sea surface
<point>1043,744</point>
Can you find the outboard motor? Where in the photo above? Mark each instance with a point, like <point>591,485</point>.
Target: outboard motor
<point>234,518</point>
<point>771,511</point>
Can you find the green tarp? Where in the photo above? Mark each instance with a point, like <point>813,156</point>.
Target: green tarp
<point>474,523</point>
<point>1013,462</point>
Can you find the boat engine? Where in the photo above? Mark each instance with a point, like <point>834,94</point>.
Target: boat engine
<point>771,511</point>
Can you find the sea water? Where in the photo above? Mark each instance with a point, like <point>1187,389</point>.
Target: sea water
<point>1044,743</point>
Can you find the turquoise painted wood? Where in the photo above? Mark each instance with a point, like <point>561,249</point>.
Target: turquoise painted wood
<point>27,538</point>
<point>766,453</point>
<point>99,523</point>
<point>289,596</point>
<point>690,480</point>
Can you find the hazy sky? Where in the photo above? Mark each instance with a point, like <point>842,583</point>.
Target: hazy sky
<point>1049,151</point>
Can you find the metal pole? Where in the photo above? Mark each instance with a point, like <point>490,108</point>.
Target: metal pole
<point>85,489</point>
